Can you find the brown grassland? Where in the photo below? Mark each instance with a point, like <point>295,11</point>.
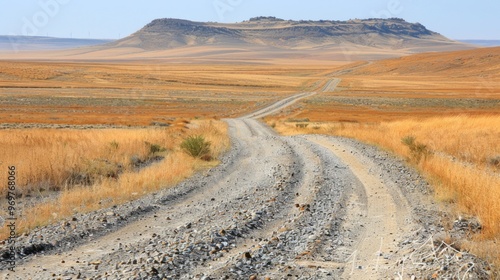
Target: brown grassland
<point>66,171</point>
<point>448,103</point>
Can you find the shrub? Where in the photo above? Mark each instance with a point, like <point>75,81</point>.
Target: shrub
<point>153,149</point>
<point>114,145</point>
<point>197,147</point>
<point>417,150</point>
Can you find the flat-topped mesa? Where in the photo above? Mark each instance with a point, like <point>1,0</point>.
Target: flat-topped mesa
<point>398,26</point>
<point>169,25</point>
<point>393,33</point>
<point>267,19</point>
<point>162,23</point>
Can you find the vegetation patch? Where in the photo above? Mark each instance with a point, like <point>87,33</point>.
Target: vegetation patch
<point>197,147</point>
<point>418,151</point>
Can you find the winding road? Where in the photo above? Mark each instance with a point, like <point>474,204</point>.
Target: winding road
<point>302,207</point>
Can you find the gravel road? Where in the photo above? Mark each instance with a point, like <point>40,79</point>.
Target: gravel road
<point>302,207</point>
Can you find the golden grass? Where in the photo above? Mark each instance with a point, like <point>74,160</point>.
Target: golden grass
<point>142,93</point>
<point>150,76</point>
<point>48,158</point>
<point>482,63</point>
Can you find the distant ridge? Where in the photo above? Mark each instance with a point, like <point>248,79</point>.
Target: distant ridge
<point>29,43</point>
<point>484,43</point>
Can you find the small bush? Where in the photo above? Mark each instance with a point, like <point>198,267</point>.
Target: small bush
<point>494,161</point>
<point>417,150</point>
<point>94,171</point>
<point>197,147</point>
<point>153,149</point>
<point>301,125</point>
<point>114,145</point>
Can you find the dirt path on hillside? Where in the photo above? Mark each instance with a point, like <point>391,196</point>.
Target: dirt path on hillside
<point>305,207</point>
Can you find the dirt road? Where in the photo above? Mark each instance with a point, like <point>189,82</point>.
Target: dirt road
<point>307,207</point>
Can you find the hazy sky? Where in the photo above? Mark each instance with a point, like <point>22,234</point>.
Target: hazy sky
<point>456,19</point>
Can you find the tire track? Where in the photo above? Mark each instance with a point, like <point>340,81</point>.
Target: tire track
<point>382,213</point>
<point>295,204</point>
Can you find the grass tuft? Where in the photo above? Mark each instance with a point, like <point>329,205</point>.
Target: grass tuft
<point>196,146</point>
<point>417,150</point>
<point>154,149</point>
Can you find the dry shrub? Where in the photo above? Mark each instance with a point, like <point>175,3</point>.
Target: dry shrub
<point>196,146</point>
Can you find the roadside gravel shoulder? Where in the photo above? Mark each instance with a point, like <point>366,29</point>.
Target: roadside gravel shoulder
<point>423,252</point>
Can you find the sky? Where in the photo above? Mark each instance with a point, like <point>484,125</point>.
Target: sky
<point>113,19</point>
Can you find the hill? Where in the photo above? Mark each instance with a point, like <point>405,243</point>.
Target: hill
<point>286,34</point>
<point>483,63</point>
<point>484,43</point>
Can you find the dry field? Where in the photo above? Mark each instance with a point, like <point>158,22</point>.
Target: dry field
<point>138,94</point>
<point>449,104</point>
<point>61,172</point>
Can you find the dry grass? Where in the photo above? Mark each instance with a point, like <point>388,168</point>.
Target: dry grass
<point>184,77</point>
<point>48,160</point>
